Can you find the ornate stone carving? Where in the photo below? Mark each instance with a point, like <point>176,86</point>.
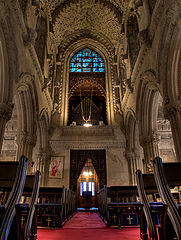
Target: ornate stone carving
<point>171,110</point>
<point>144,38</point>
<point>24,138</point>
<point>90,16</point>
<point>6,111</point>
<point>30,37</point>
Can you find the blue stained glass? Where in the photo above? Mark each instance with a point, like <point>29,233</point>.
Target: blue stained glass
<point>86,69</point>
<point>86,60</point>
<point>87,65</point>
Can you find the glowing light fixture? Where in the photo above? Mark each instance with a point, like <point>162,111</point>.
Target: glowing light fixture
<point>87,174</point>
<point>87,124</point>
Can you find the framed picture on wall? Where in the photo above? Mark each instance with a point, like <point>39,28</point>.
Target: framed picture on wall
<point>56,167</point>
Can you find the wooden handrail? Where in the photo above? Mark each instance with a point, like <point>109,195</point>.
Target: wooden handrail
<point>33,201</point>
<point>146,205</point>
<point>13,198</point>
<point>165,193</point>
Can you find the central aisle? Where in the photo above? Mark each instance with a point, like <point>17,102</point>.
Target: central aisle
<point>88,226</point>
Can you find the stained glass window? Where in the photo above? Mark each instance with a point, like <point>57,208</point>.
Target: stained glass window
<point>87,60</point>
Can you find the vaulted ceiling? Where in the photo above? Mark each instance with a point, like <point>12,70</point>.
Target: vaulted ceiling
<point>72,18</point>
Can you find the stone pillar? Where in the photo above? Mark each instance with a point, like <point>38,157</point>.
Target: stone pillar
<point>133,165</point>
<point>5,115</point>
<point>151,150</point>
<point>26,144</point>
<point>44,161</point>
<point>173,114</point>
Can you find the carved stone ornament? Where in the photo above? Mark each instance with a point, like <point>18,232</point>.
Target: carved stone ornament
<point>171,110</point>
<point>30,37</point>
<point>89,15</point>
<point>6,111</point>
<point>24,138</point>
<point>144,38</point>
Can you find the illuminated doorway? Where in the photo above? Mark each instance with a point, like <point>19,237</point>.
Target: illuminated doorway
<point>88,186</point>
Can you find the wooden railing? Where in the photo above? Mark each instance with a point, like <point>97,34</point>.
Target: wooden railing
<point>14,197</point>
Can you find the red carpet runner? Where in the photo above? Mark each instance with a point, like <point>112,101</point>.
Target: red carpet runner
<point>88,226</point>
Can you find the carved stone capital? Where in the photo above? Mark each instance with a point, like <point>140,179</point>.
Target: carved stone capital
<point>171,110</point>
<point>24,138</point>
<point>6,111</point>
<point>150,139</point>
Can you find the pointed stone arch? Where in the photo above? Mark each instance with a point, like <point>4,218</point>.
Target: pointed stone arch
<point>78,159</point>
<point>8,71</point>
<point>27,101</point>
<point>169,55</point>
<point>109,78</point>
<point>146,114</point>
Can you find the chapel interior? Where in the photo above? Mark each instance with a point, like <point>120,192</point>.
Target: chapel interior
<point>90,90</point>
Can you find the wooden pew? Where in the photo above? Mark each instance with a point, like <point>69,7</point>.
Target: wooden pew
<point>147,187</point>
<point>55,206</point>
<point>51,207</point>
<point>115,201</point>
<point>169,175</point>
<point>17,179</point>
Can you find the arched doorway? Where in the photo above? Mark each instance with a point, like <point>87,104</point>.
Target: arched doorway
<point>88,185</point>
<point>81,160</point>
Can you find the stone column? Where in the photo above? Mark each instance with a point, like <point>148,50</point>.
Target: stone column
<point>44,161</point>
<point>151,150</point>
<point>26,144</point>
<point>133,165</point>
<point>173,114</point>
<point>5,115</point>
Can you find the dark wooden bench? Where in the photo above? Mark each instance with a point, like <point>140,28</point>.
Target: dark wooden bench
<point>169,175</point>
<point>13,173</point>
<point>116,201</point>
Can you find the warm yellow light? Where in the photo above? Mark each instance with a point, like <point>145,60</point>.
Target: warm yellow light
<point>86,174</point>
<point>86,124</point>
